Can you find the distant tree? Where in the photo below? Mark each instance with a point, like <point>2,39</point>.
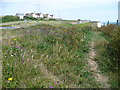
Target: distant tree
<point>9,18</point>
<point>79,19</point>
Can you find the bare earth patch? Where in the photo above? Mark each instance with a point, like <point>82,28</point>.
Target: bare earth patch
<point>95,69</point>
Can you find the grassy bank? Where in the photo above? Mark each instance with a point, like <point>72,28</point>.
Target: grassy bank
<point>107,47</point>
<point>53,54</point>
<point>46,56</point>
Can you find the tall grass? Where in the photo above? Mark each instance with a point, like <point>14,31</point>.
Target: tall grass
<point>109,52</point>
<point>61,50</point>
<point>113,45</point>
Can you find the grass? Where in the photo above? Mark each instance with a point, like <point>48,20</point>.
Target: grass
<point>103,59</point>
<point>61,50</point>
<point>53,54</point>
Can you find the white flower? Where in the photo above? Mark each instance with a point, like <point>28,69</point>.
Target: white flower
<point>82,40</point>
<point>12,55</point>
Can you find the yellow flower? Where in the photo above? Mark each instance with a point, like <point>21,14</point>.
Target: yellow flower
<point>10,79</point>
<point>15,39</point>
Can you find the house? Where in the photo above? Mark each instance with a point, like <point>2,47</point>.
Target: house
<point>20,15</point>
<point>99,24</point>
<point>51,16</point>
<point>37,15</point>
<point>45,15</point>
<point>29,14</point>
<point>41,15</point>
<point>48,16</point>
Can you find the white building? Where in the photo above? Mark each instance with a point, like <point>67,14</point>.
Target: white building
<point>50,16</point>
<point>119,12</point>
<point>37,15</point>
<point>99,24</point>
<point>41,15</point>
<point>20,15</point>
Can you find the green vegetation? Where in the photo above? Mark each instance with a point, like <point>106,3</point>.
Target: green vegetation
<point>54,54</point>
<point>0,19</point>
<point>9,18</point>
<point>61,50</point>
<point>108,48</point>
<point>29,18</point>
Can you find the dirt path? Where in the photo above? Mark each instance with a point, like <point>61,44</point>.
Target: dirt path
<point>47,73</point>
<point>95,69</point>
<point>52,77</point>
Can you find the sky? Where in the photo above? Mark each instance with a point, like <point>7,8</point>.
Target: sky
<point>98,10</point>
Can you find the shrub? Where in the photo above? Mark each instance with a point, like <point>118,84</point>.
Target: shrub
<point>114,44</point>
<point>51,19</point>
<point>113,47</point>
<point>30,18</point>
<point>107,30</point>
<point>9,18</point>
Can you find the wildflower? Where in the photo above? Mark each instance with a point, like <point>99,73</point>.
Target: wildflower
<point>10,79</point>
<point>15,39</point>
<point>82,40</point>
<point>12,55</point>
<point>51,87</point>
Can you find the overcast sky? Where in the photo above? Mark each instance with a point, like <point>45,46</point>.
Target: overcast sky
<point>101,10</point>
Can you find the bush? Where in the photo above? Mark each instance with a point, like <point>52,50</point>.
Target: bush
<point>107,30</point>
<point>9,18</point>
<point>114,44</point>
<point>30,18</point>
<point>51,19</point>
<point>113,47</point>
